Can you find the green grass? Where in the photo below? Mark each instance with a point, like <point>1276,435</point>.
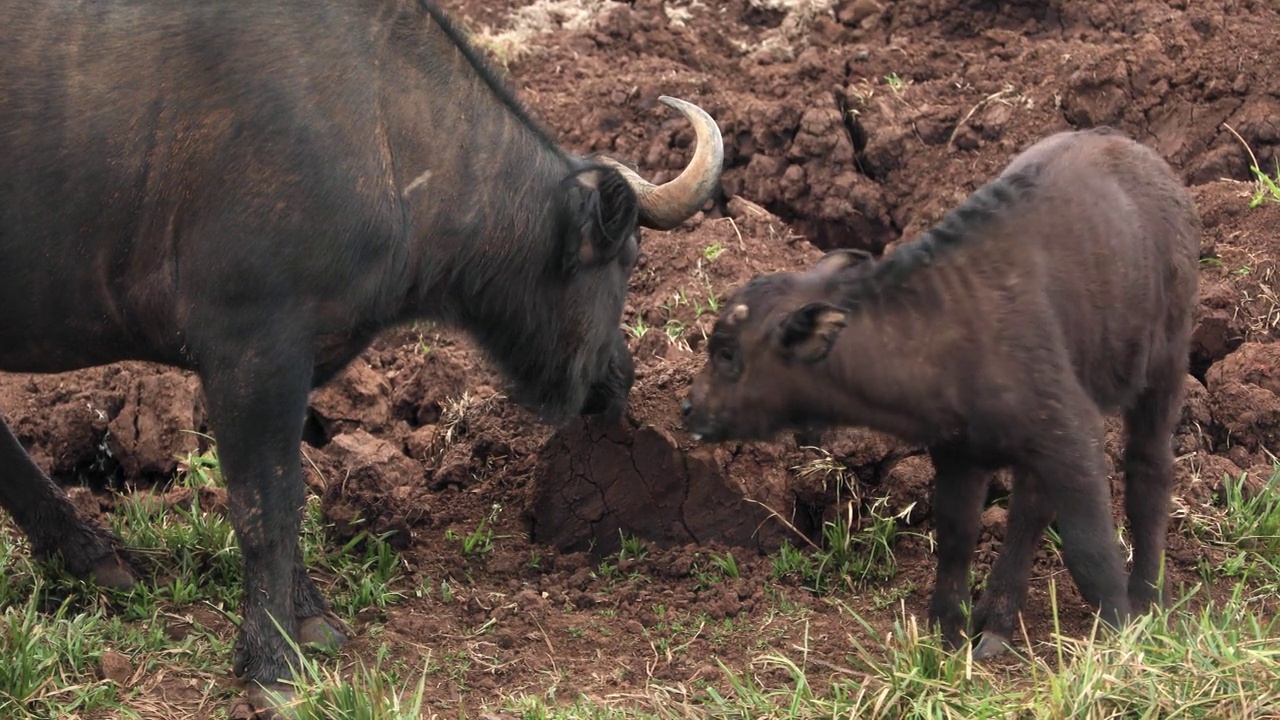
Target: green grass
<point>479,542</point>
<point>1248,529</point>
<point>1268,187</point>
<point>638,329</point>
<point>858,543</point>
<point>377,692</point>
<point>1196,659</point>
<point>1219,662</point>
<point>55,629</point>
<point>54,632</point>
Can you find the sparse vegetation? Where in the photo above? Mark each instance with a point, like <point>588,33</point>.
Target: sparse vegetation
<point>638,329</point>
<point>1268,187</point>
<point>478,542</point>
<point>633,547</point>
<point>1247,526</point>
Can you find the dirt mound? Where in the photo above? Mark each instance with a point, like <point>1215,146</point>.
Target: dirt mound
<point>850,123</point>
<point>862,124</point>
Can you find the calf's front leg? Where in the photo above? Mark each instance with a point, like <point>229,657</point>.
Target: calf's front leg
<point>959,488</point>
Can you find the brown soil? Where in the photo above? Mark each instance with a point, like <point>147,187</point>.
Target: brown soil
<point>822,150</point>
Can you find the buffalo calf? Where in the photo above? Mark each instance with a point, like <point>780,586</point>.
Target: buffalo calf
<point>1061,290</point>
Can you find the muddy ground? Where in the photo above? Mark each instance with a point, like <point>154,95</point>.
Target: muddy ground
<point>853,124</point>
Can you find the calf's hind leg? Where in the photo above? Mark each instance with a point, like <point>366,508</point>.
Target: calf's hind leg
<point>1063,473</point>
<point>45,514</point>
<point>997,610</point>
<point>1148,479</point>
<point>1072,467</point>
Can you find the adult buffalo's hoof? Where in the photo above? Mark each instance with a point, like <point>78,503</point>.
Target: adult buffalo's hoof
<point>113,571</point>
<point>991,645</point>
<point>326,631</point>
<point>274,701</point>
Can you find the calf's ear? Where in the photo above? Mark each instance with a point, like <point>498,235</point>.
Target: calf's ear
<point>599,214</point>
<point>807,334</point>
<point>839,259</point>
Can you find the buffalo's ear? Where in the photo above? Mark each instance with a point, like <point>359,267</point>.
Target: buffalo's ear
<point>807,334</point>
<point>599,215</point>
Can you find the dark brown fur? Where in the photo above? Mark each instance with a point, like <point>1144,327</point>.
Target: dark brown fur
<point>1062,290</point>
<point>253,190</point>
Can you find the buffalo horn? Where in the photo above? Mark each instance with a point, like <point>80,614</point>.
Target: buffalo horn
<point>665,206</point>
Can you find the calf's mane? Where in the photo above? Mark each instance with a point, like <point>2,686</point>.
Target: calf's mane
<point>965,224</point>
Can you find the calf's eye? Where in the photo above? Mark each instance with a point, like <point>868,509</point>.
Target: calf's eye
<point>726,362</point>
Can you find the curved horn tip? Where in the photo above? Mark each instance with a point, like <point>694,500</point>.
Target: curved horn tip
<point>667,206</point>
<point>689,110</point>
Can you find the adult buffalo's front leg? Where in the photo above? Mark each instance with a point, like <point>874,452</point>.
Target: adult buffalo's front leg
<point>256,401</point>
<point>51,523</point>
<point>317,623</point>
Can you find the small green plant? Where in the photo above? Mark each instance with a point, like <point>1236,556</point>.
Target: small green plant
<point>791,560</point>
<point>637,330</point>
<point>1250,528</point>
<point>1268,187</point>
<point>632,547</point>
<point>607,570</point>
<point>856,556</point>
<point>364,579</point>
<point>713,300</point>
<point>727,564</point>
<point>712,251</point>
<point>715,568</point>
<point>479,542</point>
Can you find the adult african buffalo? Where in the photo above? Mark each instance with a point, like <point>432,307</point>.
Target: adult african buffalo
<point>253,191</point>
<point>1063,289</point>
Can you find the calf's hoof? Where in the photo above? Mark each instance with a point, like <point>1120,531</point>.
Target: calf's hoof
<point>991,645</point>
<point>273,701</point>
<point>326,631</point>
<point>112,571</point>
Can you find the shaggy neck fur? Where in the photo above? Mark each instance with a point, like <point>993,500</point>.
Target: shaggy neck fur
<point>492,198</point>
<point>900,364</point>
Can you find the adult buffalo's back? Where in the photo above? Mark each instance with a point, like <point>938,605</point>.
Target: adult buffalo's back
<point>253,191</point>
